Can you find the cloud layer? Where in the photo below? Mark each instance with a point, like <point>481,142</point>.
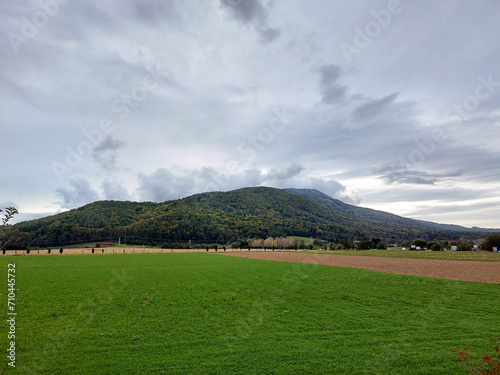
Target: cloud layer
<point>157,100</point>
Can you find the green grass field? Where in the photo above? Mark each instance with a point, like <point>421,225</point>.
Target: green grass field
<point>203,313</point>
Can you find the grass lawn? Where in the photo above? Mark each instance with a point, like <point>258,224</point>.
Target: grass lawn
<point>199,313</point>
<point>484,256</point>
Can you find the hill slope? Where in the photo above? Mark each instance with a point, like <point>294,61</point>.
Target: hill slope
<point>224,217</point>
<point>374,216</point>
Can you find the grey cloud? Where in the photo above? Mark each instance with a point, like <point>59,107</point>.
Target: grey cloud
<point>252,12</point>
<point>105,153</point>
<point>166,184</point>
<point>333,94</point>
<point>153,11</point>
<point>415,193</point>
<point>163,185</point>
<point>329,74</point>
<point>463,208</point>
<point>114,190</point>
<point>79,194</point>
<point>395,176</point>
<point>290,172</point>
<point>373,107</point>
<point>332,188</point>
<point>331,91</point>
<point>268,34</point>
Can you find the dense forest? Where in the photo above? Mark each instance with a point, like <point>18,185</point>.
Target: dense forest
<point>226,217</point>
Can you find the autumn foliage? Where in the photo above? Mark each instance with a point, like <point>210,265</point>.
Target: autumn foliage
<point>484,366</point>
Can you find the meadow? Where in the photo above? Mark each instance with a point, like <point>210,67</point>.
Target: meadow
<point>199,313</point>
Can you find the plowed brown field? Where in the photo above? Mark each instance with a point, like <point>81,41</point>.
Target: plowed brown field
<point>480,272</point>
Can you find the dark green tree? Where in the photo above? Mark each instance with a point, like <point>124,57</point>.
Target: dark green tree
<point>420,243</point>
<point>490,242</point>
<point>437,247</point>
<point>365,244</point>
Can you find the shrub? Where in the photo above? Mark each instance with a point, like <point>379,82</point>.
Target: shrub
<point>487,365</point>
<point>61,250</point>
<point>92,250</point>
<point>49,250</point>
<point>437,247</point>
<point>98,244</point>
<point>382,245</point>
<point>28,250</point>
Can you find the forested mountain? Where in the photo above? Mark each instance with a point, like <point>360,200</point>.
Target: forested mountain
<point>224,217</point>
<point>378,217</point>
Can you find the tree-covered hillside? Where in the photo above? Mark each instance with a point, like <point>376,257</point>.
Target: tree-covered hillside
<point>223,217</point>
<point>397,223</point>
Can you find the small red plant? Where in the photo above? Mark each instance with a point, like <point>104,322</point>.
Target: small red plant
<point>485,366</point>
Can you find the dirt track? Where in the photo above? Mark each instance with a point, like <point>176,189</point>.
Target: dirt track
<point>481,272</point>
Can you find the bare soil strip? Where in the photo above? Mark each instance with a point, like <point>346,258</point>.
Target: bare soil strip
<point>480,272</point>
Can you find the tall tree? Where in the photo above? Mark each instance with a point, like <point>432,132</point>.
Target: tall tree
<point>9,214</point>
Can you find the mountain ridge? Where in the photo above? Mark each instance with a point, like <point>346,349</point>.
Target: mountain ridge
<point>223,217</point>
<point>363,212</point>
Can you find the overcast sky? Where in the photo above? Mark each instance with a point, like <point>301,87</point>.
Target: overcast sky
<point>392,105</point>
